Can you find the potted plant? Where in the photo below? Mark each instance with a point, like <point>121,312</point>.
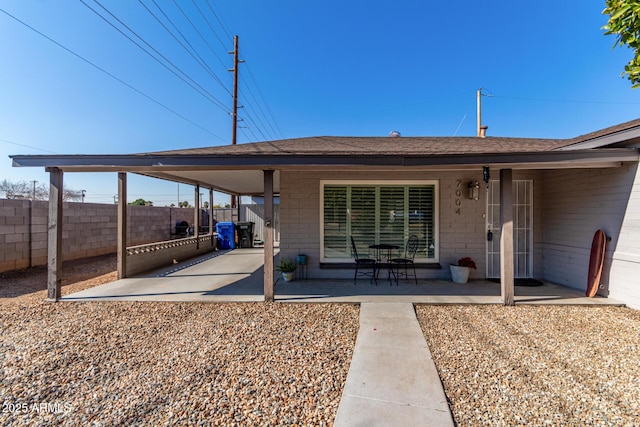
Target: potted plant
<point>287,267</point>
<point>460,272</point>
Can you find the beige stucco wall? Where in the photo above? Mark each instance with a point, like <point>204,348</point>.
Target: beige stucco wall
<point>576,204</point>
<point>459,235</point>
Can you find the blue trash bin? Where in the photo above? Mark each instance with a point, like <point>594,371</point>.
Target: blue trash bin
<point>226,235</point>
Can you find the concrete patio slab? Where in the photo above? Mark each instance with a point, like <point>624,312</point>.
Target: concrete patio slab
<point>392,378</point>
<point>223,276</point>
<point>237,276</point>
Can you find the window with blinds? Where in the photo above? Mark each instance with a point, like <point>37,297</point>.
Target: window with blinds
<point>378,213</point>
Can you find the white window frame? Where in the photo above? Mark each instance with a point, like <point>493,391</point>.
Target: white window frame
<point>436,215</point>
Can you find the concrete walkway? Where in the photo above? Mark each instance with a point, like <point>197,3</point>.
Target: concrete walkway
<point>392,378</point>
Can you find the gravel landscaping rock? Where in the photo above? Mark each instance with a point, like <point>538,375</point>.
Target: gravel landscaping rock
<point>173,364</point>
<point>546,365</point>
<point>102,363</point>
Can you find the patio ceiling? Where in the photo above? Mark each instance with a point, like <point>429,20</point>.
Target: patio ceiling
<point>244,182</point>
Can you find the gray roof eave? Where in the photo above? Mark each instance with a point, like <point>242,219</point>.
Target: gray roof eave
<point>604,140</point>
<point>270,161</point>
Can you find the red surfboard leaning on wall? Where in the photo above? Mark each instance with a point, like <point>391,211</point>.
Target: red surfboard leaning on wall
<point>596,260</point>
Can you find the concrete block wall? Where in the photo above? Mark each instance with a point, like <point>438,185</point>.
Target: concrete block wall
<point>88,230</point>
<point>153,224</point>
<point>14,234</point>
<point>153,256</point>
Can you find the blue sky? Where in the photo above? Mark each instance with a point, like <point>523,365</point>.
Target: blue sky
<point>312,68</point>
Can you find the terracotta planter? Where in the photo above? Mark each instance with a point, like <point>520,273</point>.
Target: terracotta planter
<point>459,274</point>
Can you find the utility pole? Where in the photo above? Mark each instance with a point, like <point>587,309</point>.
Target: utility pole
<point>479,96</point>
<point>34,189</point>
<point>482,130</point>
<point>83,193</point>
<point>234,113</point>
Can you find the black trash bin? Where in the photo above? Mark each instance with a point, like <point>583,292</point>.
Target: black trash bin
<point>245,234</point>
<point>182,228</point>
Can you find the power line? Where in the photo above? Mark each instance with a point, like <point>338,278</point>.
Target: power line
<point>198,31</point>
<point>113,76</point>
<point>264,137</point>
<point>193,54</point>
<point>264,101</point>
<point>28,146</point>
<point>208,24</point>
<point>248,128</point>
<point>566,100</point>
<point>259,111</point>
<point>220,21</point>
<point>257,121</point>
<point>202,91</point>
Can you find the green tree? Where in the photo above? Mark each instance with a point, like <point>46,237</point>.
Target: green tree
<point>141,202</point>
<point>624,23</point>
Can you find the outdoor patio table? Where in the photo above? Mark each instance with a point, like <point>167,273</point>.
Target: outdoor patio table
<point>380,248</point>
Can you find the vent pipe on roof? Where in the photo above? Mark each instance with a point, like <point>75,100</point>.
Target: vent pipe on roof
<point>394,134</point>
<point>483,131</point>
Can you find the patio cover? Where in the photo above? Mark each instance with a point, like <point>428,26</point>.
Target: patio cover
<point>253,168</point>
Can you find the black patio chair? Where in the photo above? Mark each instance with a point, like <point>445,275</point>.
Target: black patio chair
<point>363,263</point>
<point>408,260</point>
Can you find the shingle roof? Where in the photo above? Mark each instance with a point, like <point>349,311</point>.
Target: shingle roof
<point>341,145</point>
<point>407,146</point>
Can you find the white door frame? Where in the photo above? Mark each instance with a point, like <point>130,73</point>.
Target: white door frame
<point>522,229</point>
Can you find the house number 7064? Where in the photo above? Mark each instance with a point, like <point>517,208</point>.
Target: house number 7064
<point>458,196</point>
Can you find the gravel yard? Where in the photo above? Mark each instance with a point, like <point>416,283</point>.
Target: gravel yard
<point>169,363</point>
<point>286,364</point>
<point>527,365</point>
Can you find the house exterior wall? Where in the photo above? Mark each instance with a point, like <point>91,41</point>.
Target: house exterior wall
<point>459,235</point>
<point>576,204</point>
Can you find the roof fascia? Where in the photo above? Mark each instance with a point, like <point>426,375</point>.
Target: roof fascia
<point>605,140</point>
<point>142,163</point>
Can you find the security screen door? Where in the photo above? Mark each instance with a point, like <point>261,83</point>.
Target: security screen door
<point>522,229</point>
